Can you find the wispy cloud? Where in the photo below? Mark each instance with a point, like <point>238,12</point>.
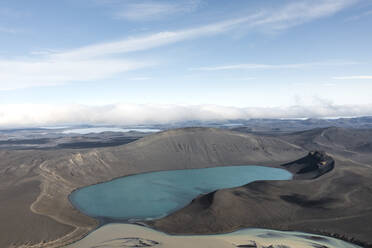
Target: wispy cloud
<point>149,10</point>
<point>244,78</point>
<point>288,16</point>
<point>9,30</point>
<point>140,78</point>
<point>130,114</point>
<point>141,43</point>
<point>353,77</point>
<point>104,60</point>
<point>360,16</point>
<point>271,66</point>
<point>48,72</point>
<point>300,12</point>
<point>95,61</point>
<point>10,13</point>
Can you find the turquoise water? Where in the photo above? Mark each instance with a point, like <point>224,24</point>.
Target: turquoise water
<point>156,194</point>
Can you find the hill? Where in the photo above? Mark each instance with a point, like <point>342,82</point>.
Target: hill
<point>35,184</point>
<point>337,203</point>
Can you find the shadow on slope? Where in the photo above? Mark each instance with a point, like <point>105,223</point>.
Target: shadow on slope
<point>336,202</point>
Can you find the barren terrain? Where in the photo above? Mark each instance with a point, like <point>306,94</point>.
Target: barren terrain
<point>35,184</point>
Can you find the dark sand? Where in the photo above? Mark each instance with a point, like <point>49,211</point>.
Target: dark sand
<point>19,223</point>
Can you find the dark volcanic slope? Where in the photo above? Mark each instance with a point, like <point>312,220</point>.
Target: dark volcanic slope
<point>19,188</point>
<point>35,184</point>
<point>353,144</point>
<point>338,202</point>
<point>314,165</point>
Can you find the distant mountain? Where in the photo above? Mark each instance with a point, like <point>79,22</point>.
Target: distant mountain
<point>292,125</point>
<point>353,144</point>
<point>21,138</point>
<point>353,140</point>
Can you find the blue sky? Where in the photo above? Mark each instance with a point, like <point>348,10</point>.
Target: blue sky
<point>65,61</point>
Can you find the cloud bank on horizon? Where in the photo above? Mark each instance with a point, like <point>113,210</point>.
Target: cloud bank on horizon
<point>139,114</point>
<point>185,55</point>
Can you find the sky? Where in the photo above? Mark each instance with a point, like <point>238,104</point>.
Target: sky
<point>156,61</point>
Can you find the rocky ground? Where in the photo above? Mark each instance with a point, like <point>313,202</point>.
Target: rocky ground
<point>35,184</point>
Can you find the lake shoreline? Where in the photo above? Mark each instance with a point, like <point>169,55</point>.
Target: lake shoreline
<point>168,190</point>
<point>147,223</point>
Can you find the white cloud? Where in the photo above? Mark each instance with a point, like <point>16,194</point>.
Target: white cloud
<point>300,12</point>
<point>289,15</point>
<point>10,13</point>
<point>96,61</point>
<point>272,66</point>
<point>46,72</point>
<point>153,10</point>
<point>141,43</point>
<point>130,114</point>
<point>285,17</point>
<point>353,77</point>
<point>9,30</point>
<point>360,16</point>
<point>140,78</point>
<point>93,62</point>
